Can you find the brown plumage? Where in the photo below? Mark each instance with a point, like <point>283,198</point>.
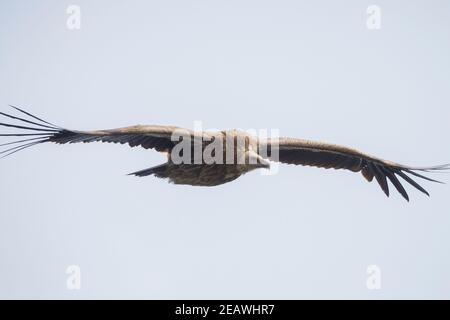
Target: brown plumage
<point>245,157</point>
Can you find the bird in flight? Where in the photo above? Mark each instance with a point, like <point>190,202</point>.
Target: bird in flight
<point>251,154</point>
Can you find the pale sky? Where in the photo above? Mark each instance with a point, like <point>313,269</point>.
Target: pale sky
<point>311,69</point>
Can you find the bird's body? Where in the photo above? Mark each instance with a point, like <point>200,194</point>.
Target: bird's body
<point>201,172</point>
<point>206,175</point>
<point>215,158</point>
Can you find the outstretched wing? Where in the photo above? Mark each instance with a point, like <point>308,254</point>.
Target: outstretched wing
<point>325,155</point>
<point>34,130</point>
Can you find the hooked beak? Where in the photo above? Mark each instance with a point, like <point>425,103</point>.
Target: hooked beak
<point>264,163</point>
<point>257,160</point>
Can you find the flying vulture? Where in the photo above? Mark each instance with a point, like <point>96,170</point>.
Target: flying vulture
<point>236,158</point>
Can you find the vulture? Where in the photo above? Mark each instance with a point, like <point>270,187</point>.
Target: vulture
<point>214,158</point>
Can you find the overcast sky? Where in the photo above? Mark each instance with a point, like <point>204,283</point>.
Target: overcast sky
<point>312,69</point>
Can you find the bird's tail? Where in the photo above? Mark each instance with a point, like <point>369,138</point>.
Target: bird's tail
<point>159,171</point>
<point>33,131</point>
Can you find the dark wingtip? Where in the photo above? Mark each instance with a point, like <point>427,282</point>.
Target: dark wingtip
<point>444,167</point>
<point>381,171</point>
<point>39,131</point>
<point>34,117</point>
<point>380,177</point>
<point>394,180</point>
<point>410,171</point>
<point>28,121</point>
<point>411,181</point>
<point>405,196</point>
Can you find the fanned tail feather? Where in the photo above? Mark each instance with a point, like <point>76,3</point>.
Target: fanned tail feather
<point>158,171</point>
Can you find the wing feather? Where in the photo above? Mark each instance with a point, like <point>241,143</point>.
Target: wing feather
<point>145,136</point>
<point>325,155</point>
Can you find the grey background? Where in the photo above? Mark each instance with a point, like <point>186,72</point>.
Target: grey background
<point>310,68</point>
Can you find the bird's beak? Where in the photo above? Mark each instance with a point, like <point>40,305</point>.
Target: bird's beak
<point>264,163</point>
<point>260,161</point>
